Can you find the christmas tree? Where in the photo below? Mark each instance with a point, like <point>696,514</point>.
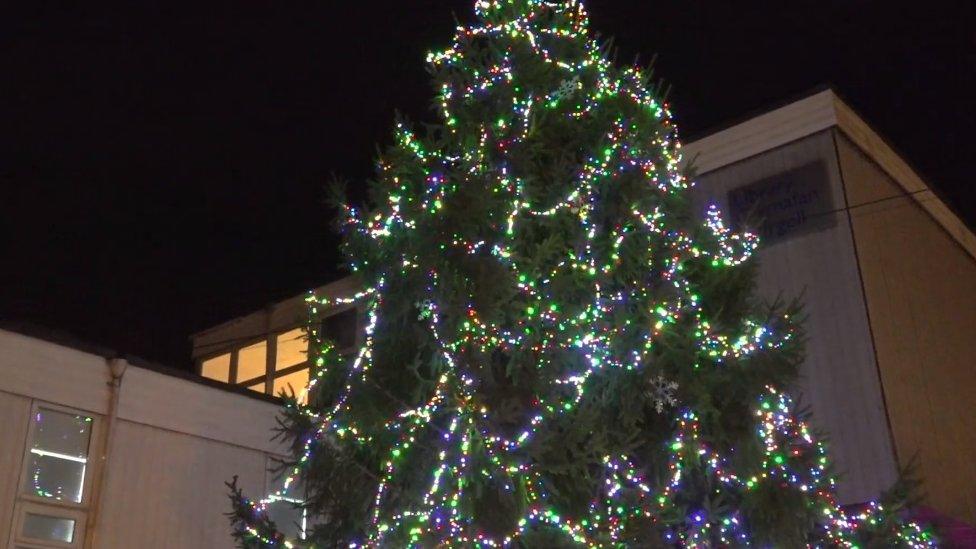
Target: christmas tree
<point>559,350</point>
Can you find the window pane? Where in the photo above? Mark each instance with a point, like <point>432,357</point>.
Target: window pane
<point>297,380</point>
<point>217,368</point>
<point>251,361</point>
<point>58,455</point>
<point>341,329</point>
<point>257,387</point>
<point>55,477</point>
<point>292,349</point>
<point>48,528</point>
<point>61,433</point>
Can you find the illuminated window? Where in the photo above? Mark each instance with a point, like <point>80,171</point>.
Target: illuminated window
<point>217,368</point>
<point>294,382</point>
<point>288,366</point>
<point>292,349</point>
<point>252,361</point>
<point>58,455</point>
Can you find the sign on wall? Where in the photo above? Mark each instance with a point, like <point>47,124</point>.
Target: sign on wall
<point>787,204</point>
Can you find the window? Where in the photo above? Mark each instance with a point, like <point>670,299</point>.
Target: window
<point>281,356</point>
<point>46,528</point>
<point>291,348</point>
<point>42,526</point>
<point>58,456</point>
<point>341,329</point>
<point>252,361</point>
<point>55,480</point>
<point>291,362</point>
<point>294,382</point>
<point>217,368</point>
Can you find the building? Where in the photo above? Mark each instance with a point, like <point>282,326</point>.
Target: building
<point>102,451</point>
<point>887,273</point>
<point>888,277</point>
<point>99,451</point>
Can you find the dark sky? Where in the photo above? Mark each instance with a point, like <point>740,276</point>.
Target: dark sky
<point>162,163</point>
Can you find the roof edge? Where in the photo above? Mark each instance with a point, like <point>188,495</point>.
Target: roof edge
<point>877,148</point>
<point>69,341</point>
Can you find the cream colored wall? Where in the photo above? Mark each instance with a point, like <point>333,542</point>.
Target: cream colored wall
<point>175,444</point>
<point>15,413</point>
<point>921,292</point>
<point>839,378</point>
<point>166,489</point>
<point>38,369</point>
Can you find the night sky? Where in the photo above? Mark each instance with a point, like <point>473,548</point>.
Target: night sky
<point>163,164</point>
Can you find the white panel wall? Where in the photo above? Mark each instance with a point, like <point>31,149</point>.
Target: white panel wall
<point>175,443</point>
<point>185,406</point>
<point>840,380</point>
<point>166,489</point>
<point>46,371</point>
<point>14,415</point>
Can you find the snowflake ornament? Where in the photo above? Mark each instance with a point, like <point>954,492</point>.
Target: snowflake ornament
<point>662,390</point>
<point>566,88</point>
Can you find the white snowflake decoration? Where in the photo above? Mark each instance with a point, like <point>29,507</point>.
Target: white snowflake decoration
<point>566,88</point>
<point>662,391</point>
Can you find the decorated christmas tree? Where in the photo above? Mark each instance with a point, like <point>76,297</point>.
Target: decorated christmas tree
<point>559,349</point>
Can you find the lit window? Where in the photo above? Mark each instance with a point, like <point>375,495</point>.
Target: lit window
<point>217,368</point>
<point>252,361</point>
<point>294,382</point>
<point>257,387</point>
<point>58,455</point>
<point>292,349</point>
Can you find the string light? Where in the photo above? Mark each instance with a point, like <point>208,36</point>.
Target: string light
<point>581,340</point>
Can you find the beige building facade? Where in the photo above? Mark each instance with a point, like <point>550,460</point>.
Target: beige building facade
<point>886,272</point>
<point>98,451</point>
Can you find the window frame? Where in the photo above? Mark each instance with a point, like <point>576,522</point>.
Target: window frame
<point>26,502</point>
<point>270,340</point>
<point>273,373</point>
<point>359,319</point>
<point>90,464</point>
<point>235,358</point>
<point>80,516</point>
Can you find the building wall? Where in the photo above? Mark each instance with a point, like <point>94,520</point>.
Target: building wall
<point>166,489</point>
<point>277,317</point>
<point>15,411</point>
<point>920,285</point>
<point>839,376</point>
<point>175,442</point>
